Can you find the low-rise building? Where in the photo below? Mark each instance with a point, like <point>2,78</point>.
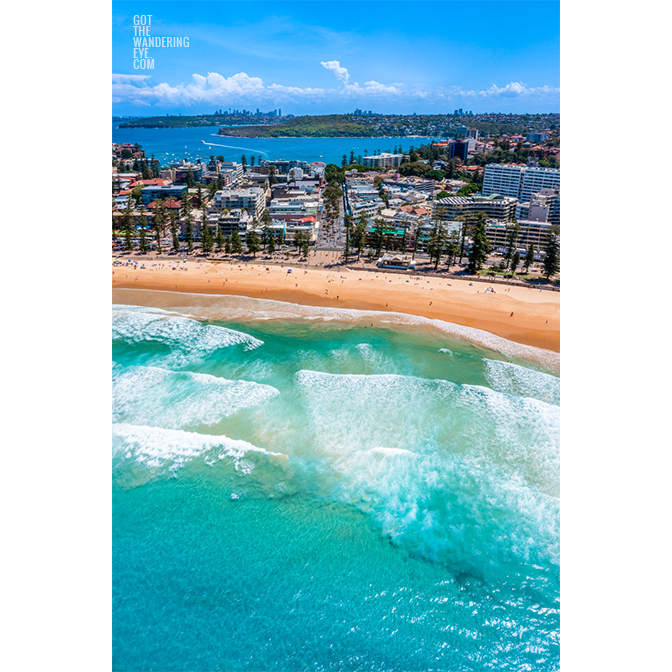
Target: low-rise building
<point>537,233</point>
<point>398,260</point>
<point>170,191</point>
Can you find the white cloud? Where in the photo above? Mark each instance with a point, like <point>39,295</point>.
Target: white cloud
<point>511,90</point>
<point>340,72</point>
<point>243,89</point>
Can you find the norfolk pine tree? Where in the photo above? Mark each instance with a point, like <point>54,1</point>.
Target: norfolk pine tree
<point>236,242</point>
<point>142,222</point>
<point>515,262</point>
<point>529,257</point>
<point>552,260</point>
<point>173,230</point>
<point>253,243</point>
<point>479,248</point>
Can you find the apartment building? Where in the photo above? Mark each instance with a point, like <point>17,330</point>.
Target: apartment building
<point>252,200</point>
<point>170,191</point>
<point>383,160</point>
<point>467,207</point>
<point>537,233</point>
<point>535,179</point>
<point>543,206</point>
<point>232,169</point>
<point>503,178</point>
<point>518,181</point>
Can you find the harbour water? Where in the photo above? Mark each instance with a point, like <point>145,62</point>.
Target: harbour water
<point>305,489</point>
<point>173,144</point>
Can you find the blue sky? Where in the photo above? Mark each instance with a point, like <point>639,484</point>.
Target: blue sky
<point>333,57</point>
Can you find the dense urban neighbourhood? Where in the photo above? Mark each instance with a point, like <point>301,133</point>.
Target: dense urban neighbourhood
<point>475,204</point>
<point>367,124</point>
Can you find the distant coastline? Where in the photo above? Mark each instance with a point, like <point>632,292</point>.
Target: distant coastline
<point>351,125</point>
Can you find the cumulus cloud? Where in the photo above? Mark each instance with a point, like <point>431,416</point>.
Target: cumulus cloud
<point>335,66</point>
<point>512,90</point>
<point>214,88</point>
<point>243,89</point>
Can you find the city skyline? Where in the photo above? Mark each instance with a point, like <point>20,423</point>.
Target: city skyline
<point>399,57</point>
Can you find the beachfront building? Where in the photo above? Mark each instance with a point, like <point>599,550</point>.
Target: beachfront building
<point>467,207</point>
<point>305,225</point>
<point>397,260</point>
<point>283,230</point>
<point>227,222</point>
<point>252,200</point>
<point>423,232</point>
<point>537,233</point>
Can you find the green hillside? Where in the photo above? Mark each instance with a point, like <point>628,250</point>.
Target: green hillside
<point>327,126</point>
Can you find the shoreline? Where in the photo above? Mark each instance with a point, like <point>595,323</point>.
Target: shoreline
<point>520,314</point>
<point>326,137</point>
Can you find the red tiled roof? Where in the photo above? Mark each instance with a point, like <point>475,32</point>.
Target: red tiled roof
<point>157,182</point>
<point>166,204</point>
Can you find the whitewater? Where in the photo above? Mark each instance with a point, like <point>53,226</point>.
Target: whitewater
<point>303,489</point>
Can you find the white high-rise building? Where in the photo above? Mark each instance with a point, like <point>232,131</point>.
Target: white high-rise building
<point>536,179</point>
<point>504,179</point>
<point>519,182</point>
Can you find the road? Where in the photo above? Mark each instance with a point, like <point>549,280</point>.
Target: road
<point>334,239</point>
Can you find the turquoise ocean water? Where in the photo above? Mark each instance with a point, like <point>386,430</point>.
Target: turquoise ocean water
<point>320,489</point>
<point>173,144</point>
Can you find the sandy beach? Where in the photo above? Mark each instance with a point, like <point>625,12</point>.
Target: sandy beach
<point>521,314</point>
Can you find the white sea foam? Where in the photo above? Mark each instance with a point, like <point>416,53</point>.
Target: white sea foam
<point>159,448</point>
<point>390,451</point>
<point>522,381</point>
<point>246,308</point>
<point>449,509</point>
<point>148,395</point>
<point>185,336</point>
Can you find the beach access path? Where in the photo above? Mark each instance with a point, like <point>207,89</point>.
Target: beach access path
<point>526,315</point>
